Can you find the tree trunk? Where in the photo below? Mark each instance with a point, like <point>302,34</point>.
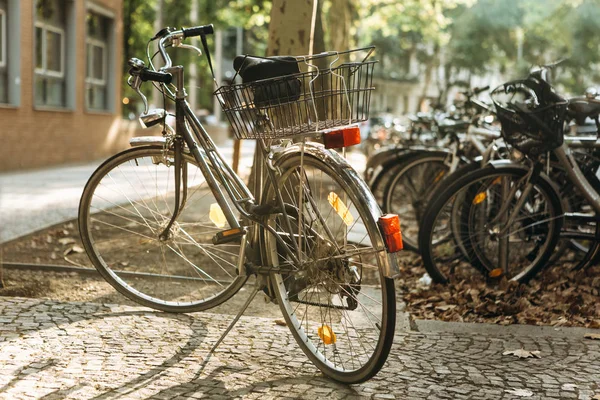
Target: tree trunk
<point>289,29</point>
<point>289,34</point>
<point>156,97</point>
<point>1,270</point>
<point>339,24</point>
<point>431,64</point>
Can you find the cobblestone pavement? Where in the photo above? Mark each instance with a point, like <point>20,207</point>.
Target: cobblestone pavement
<point>52,350</point>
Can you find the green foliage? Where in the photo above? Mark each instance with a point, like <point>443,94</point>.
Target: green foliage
<point>139,17</point>
<point>476,36</point>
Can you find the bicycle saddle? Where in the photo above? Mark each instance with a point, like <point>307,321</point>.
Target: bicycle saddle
<point>582,108</point>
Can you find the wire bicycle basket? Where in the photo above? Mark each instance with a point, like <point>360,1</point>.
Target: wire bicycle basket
<point>531,122</point>
<point>291,104</point>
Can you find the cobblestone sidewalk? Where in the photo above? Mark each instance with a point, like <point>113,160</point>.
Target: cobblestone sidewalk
<point>52,350</point>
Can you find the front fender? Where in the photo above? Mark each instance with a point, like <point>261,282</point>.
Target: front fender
<point>341,167</point>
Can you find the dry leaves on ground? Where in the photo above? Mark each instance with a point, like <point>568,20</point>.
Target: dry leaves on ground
<point>73,249</point>
<point>557,297</point>
<point>522,353</point>
<point>593,336</point>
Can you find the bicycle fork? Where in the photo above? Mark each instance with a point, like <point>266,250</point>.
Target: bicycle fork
<point>504,219</point>
<point>180,188</point>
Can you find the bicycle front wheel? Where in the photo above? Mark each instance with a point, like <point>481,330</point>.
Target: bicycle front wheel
<point>490,220</point>
<point>337,302</point>
<point>127,204</point>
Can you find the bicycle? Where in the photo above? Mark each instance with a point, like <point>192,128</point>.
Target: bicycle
<point>507,218</point>
<point>170,225</point>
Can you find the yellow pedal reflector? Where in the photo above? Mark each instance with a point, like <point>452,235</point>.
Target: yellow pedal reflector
<point>326,334</point>
<point>496,273</point>
<point>340,208</point>
<point>230,232</point>
<point>216,215</point>
<point>480,197</point>
<point>439,176</point>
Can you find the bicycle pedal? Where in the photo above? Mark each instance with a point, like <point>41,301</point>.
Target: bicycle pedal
<point>229,235</point>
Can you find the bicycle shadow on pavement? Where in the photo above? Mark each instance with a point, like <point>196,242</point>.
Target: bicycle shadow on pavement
<point>25,342</point>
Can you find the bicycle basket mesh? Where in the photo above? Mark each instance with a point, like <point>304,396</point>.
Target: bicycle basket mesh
<point>533,130</point>
<point>299,103</point>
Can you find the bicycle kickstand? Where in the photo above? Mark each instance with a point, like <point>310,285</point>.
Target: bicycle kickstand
<point>251,297</point>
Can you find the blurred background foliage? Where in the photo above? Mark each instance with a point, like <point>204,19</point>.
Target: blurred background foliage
<point>462,36</point>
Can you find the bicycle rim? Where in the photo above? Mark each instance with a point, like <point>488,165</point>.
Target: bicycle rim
<point>127,204</point>
<point>467,229</point>
<point>407,193</point>
<point>340,308</point>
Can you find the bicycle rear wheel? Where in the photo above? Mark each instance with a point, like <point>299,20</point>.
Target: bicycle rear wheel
<point>407,193</point>
<point>127,203</point>
<point>337,302</point>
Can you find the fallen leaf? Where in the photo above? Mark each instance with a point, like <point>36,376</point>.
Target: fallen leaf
<point>280,322</point>
<point>593,336</point>
<point>520,392</point>
<point>65,241</point>
<point>522,353</point>
<point>73,249</point>
<point>596,397</point>
<point>445,307</point>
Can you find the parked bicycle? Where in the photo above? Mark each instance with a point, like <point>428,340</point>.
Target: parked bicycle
<point>171,226</point>
<point>506,218</point>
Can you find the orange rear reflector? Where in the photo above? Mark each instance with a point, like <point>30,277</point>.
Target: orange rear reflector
<point>339,138</point>
<point>392,235</point>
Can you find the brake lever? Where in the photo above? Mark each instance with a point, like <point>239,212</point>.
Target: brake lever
<point>178,42</point>
<point>135,82</point>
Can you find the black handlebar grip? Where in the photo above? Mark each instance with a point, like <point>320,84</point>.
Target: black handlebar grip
<point>481,89</point>
<point>162,77</point>
<point>198,30</point>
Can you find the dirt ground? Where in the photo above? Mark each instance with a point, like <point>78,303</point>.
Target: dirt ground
<point>558,297</point>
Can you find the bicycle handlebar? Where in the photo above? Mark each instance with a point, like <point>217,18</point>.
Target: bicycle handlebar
<point>155,76</point>
<point>478,90</point>
<point>198,30</point>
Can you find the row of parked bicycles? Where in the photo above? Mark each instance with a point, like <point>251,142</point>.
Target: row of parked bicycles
<point>502,189</point>
<point>169,224</point>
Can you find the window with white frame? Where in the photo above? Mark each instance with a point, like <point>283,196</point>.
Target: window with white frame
<point>3,52</point>
<point>98,42</point>
<point>50,53</point>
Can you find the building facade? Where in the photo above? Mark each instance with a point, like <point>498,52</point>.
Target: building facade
<point>60,77</point>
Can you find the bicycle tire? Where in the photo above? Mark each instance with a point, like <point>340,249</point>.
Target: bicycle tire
<point>385,171</point>
<point>435,257</point>
<point>408,191</point>
<point>121,215</point>
<point>313,290</point>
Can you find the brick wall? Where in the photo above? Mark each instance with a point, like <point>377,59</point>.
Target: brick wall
<point>33,138</point>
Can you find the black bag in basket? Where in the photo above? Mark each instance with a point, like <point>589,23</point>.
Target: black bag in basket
<point>273,83</point>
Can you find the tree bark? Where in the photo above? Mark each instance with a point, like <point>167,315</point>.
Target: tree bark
<point>156,97</point>
<point>431,64</point>
<point>289,34</point>
<point>339,24</point>
<point>289,29</point>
